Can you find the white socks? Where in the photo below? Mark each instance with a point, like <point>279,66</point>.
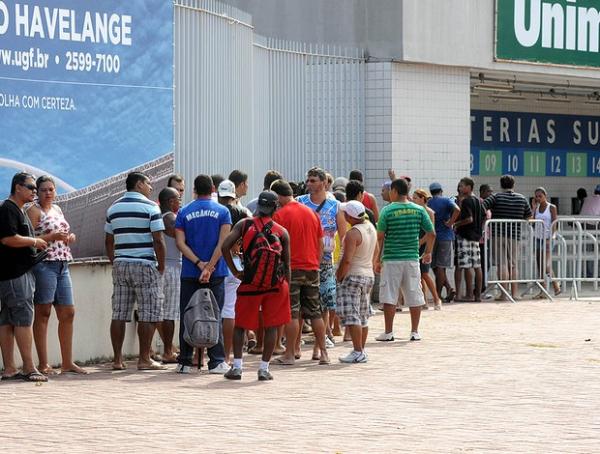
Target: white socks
<point>237,363</point>
<point>264,365</point>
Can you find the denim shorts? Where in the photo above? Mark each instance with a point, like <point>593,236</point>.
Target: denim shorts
<point>16,301</point>
<point>53,283</point>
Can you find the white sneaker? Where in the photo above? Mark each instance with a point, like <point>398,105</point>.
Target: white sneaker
<point>385,337</point>
<point>328,343</point>
<point>354,357</point>
<point>220,369</point>
<point>415,336</point>
<point>181,369</point>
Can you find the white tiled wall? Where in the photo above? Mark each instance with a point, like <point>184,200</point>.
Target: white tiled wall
<point>417,122</point>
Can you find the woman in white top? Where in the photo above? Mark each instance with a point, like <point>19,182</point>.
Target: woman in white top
<point>547,213</point>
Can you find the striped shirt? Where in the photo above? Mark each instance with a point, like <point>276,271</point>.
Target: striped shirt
<point>508,205</point>
<point>131,220</point>
<point>402,222</point>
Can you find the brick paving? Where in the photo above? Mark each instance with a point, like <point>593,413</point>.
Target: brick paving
<point>492,377</point>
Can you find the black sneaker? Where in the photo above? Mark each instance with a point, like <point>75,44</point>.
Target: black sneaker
<point>264,375</point>
<point>234,373</point>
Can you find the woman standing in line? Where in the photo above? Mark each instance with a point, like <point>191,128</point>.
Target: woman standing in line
<point>420,197</point>
<point>52,278</point>
<point>547,213</point>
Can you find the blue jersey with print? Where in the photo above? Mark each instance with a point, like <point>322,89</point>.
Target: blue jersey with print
<point>328,216</point>
<point>443,208</point>
<point>201,221</point>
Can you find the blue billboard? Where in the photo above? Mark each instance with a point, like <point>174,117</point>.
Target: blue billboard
<point>86,88</point>
<point>537,145</point>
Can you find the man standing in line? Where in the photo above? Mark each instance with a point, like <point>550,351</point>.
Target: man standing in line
<point>240,180</point>
<point>270,177</point>
<point>227,197</point>
<point>369,201</point>
<point>399,226</point>
<point>176,182</point>
<point>355,278</point>
<point>446,214</point>
<point>469,230</point>
<point>136,249</point>
<point>332,221</point>
<point>272,298</point>
<point>306,246</point>
<point>169,200</point>
<point>200,229</point>
<point>507,204</point>
<point>18,246</point>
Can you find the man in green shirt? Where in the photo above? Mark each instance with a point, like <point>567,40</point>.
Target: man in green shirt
<point>398,229</point>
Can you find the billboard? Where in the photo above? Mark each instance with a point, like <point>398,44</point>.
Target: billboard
<point>536,145</point>
<point>559,32</point>
<point>86,88</point>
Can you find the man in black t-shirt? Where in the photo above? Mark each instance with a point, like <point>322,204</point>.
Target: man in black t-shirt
<point>18,246</point>
<point>469,229</point>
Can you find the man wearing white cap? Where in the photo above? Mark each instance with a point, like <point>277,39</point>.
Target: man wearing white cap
<point>355,278</point>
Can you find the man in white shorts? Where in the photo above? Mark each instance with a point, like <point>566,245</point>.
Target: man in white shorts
<point>398,230</point>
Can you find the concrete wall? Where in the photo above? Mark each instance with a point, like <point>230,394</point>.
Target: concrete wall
<point>92,288</point>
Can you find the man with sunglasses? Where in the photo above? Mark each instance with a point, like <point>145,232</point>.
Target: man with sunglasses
<point>332,221</point>
<point>18,247</point>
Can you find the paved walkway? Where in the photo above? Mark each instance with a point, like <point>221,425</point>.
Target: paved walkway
<point>489,377</point>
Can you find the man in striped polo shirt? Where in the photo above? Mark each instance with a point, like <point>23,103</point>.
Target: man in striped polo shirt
<point>507,204</point>
<point>135,247</point>
<point>398,229</point>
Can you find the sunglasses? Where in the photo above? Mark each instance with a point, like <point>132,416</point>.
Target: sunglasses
<point>31,187</point>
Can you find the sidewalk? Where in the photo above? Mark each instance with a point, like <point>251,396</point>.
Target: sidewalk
<point>490,377</point>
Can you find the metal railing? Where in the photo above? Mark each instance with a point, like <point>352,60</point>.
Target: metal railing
<point>519,253</point>
<point>577,255</point>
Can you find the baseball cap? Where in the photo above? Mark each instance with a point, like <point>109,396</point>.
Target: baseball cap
<point>267,202</point>
<point>435,187</point>
<point>406,177</point>
<point>226,189</point>
<point>354,209</point>
<point>387,184</point>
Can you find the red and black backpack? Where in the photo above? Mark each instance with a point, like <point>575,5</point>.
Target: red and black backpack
<point>263,268</point>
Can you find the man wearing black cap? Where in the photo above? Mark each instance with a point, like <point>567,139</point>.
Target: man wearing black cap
<point>266,252</point>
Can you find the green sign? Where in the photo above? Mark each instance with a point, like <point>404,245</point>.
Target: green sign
<point>560,32</point>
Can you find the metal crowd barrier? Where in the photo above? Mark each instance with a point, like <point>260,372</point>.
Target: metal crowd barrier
<point>518,252</point>
<point>575,241</point>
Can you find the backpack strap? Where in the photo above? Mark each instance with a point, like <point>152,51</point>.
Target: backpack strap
<point>320,207</point>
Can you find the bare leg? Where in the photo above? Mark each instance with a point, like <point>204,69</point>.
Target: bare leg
<point>168,330</point>
<point>269,343</point>
<point>117,336</point>
<point>515,287</point>
<point>228,329</point>
<point>66,315</point>
<point>291,334</point>
<point>318,327</point>
<point>415,317</point>
<point>7,344</point>
<point>279,348</point>
<point>145,334</point>
<point>357,337</point>
<point>457,276</point>
<point>478,284</point>
<point>40,335</point>
<point>469,283</point>
<point>24,338</point>
<point>365,333</point>
<point>431,286</point>
<point>389,312</point>
<point>336,323</point>
<point>238,342</point>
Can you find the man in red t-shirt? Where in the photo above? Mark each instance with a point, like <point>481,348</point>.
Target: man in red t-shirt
<point>255,293</point>
<point>306,245</point>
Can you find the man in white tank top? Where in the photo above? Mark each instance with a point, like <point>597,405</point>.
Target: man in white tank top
<point>355,278</point>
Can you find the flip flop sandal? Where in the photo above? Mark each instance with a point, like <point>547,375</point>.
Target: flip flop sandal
<point>35,377</point>
<point>315,358</point>
<point>281,362</point>
<point>153,366</point>
<point>17,376</point>
<point>324,362</point>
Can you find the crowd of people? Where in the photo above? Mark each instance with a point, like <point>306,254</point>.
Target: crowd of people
<point>314,256</point>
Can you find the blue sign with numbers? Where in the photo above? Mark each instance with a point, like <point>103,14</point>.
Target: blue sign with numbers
<point>528,144</point>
